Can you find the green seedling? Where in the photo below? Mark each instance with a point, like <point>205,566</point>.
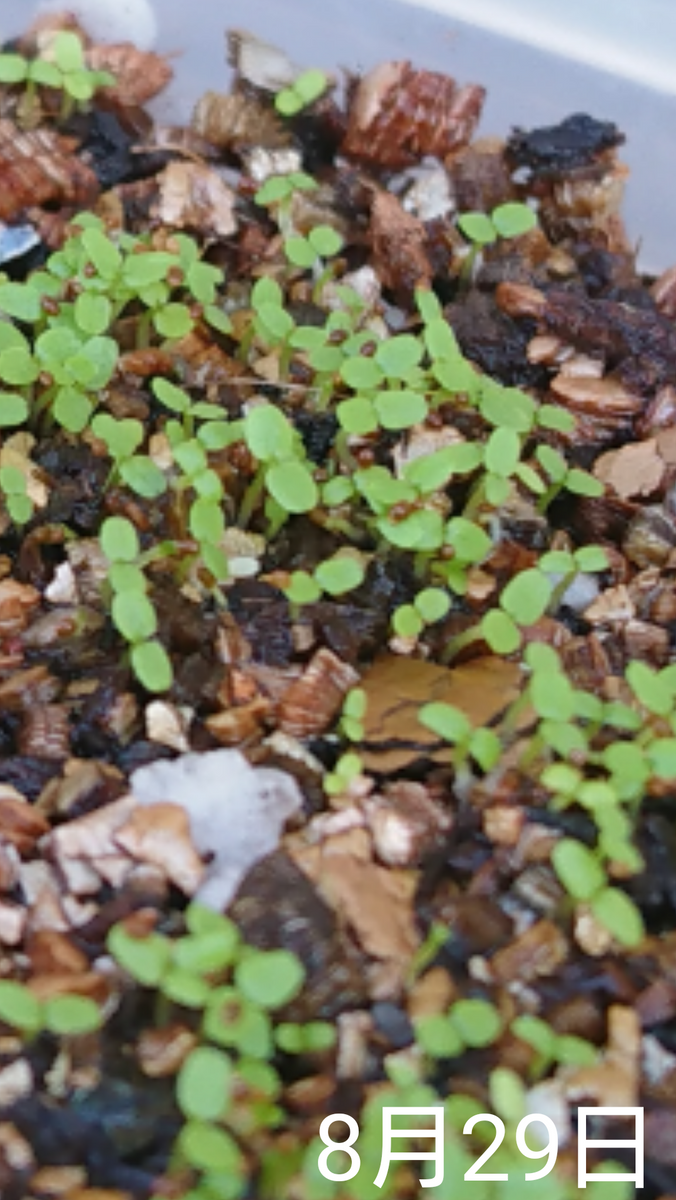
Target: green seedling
<point>64,1016</point>
<point>62,68</point>
<point>468,1025</point>
<point>336,576</point>
<point>346,771</point>
<point>283,470</point>
<point>506,221</point>
<point>132,611</point>
<point>122,439</point>
<point>303,92</point>
<point>227,1088</point>
<point>430,606</point>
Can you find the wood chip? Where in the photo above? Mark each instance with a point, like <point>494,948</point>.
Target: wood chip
<point>598,397</point>
<point>534,954</point>
<point>636,469</point>
<point>376,902</point>
<point>397,687</point>
<point>310,704</point>
<point>139,74</point>
<point>160,834</point>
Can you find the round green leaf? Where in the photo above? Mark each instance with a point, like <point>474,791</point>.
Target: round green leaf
<point>152,666</point>
<point>513,219</point>
<point>361,373</point>
<point>500,632</point>
<point>92,312</point>
<point>357,416</point>
<point>207,522</point>
<point>173,321</point>
<point>478,228</point>
<point>102,253</point>
<point>119,540</point>
<point>325,241</point>
<point>407,622</point>
<point>618,914</point>
<point>578,869</point>
<point>209,1148</point>
<point>143,476</point>
<point>469,541</point>
<point>340,574</point>
<point>438,1037</point>
<point>432,604</point>
<point>134,616</point>
<point>310,85</point>
<point>526,596</point>
<point>502,453</point>
<point>302,588</point>
<point>13,410</point>
<point>399,355</point>
<point>13,68</point>
<point>270,978</point>
<point>19,1007</point>
<point>17,366</point>
<point>299,251</point>
<point>72,409</point>
<point>68,51</point>
<point>477,1021</point>
<point>72,1015</point>
<point>292,486</point>
<point>145,959</point>
<point>446,721</point>
<point>203,1084</point>
<point>400,409</point>
<point>21,301</point>
<point>268,433</point>
<point>552,696</point>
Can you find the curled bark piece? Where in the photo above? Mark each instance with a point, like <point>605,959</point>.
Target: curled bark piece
<point>400,115</point>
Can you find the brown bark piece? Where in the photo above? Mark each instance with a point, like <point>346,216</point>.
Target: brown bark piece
<point>636,469</point>
<point>40,168</point>
<point>398,240</point>
<point>139,74</point>
<point>310,704</point>
<point>400,115</point>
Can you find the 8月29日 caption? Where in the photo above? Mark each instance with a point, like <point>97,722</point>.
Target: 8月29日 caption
<point>477,1173</point>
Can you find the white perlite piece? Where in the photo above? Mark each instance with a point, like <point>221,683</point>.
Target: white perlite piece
<point>110,20</point>
<point>237,812</point>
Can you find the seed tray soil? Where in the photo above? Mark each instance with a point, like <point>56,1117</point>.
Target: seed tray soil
<point>338,595</point>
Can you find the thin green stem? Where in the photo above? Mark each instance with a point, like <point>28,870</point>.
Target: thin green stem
<point>252,497</point>
<point>460,641</point>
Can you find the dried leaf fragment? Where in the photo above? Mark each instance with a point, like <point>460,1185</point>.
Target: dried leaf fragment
<point>139,74</point>
<point>193,196</point>
<point>397,687</point>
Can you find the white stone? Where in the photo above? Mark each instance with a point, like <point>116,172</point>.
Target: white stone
<point>237,812</point>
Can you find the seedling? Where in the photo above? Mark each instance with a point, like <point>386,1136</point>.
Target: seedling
<point>304,91</point>
<point>468,1024</point>
<point>62,68</point>
<point>283,471</point>
<point>226,1088</point>
<point>63,1016</point>
<point>336,576</point>
<point>506,221</point>
<point>132,611</point>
